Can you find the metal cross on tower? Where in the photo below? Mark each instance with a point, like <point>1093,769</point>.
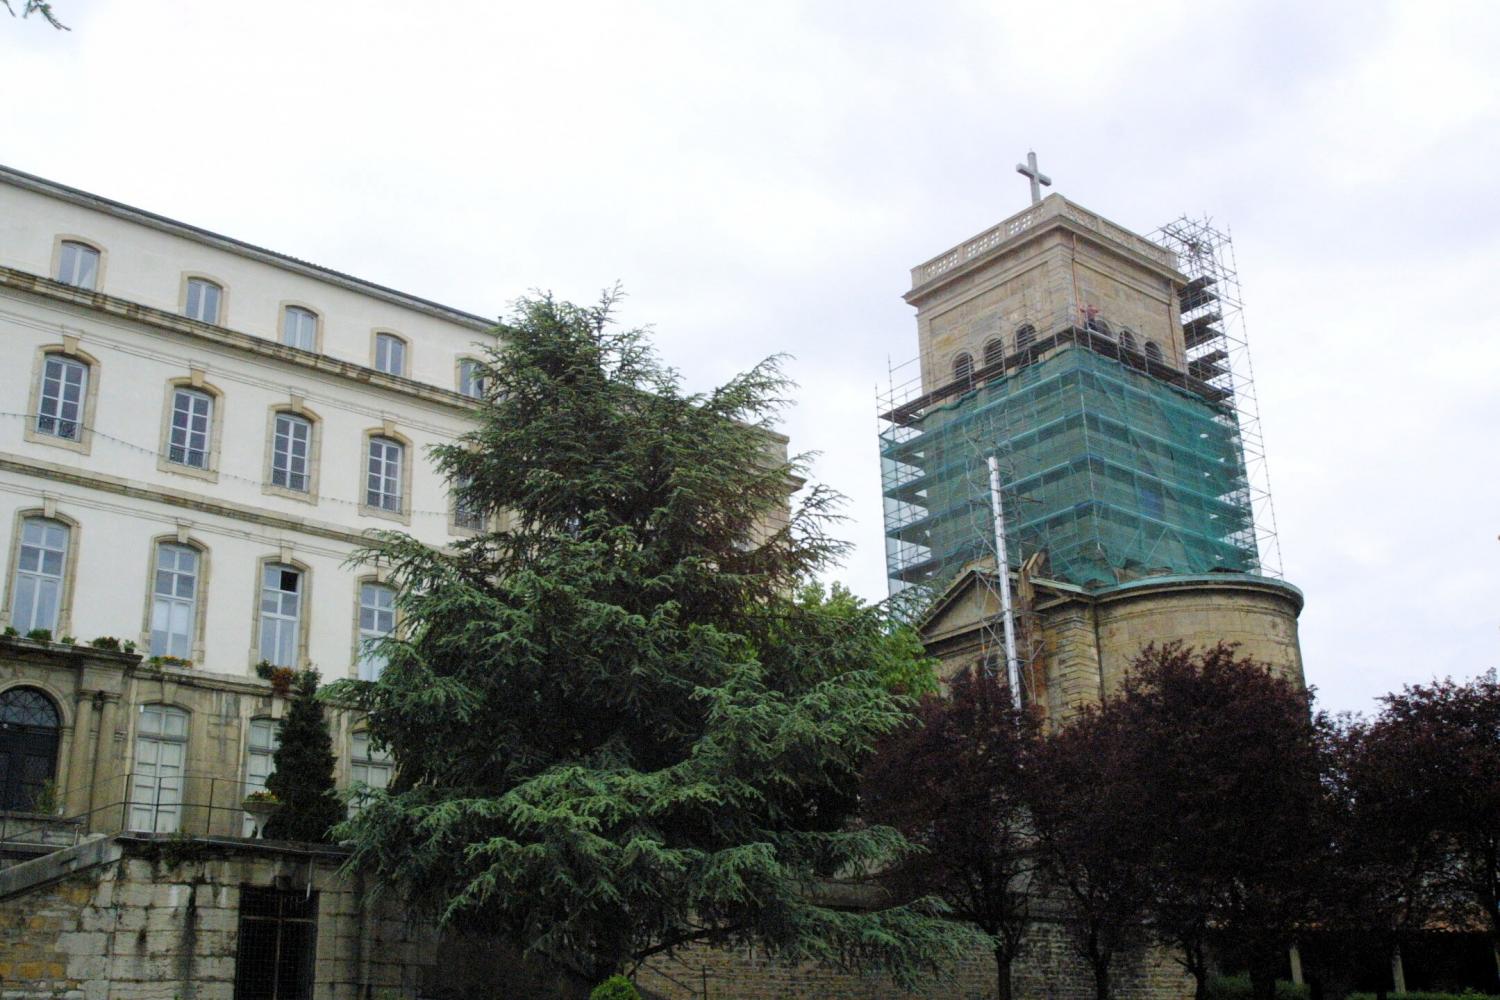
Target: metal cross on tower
<point>1036,177</point>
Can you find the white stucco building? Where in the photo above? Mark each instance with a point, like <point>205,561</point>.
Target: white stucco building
<point>195,435</point>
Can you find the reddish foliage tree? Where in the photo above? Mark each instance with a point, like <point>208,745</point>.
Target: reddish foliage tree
<point>1093,847</point>
<point>1426,774</point>
<point>1228,762</point>
<point>953,785</point>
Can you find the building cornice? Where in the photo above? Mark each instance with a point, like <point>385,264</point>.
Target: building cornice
<point>141,217</point>
<point>123,309</point>
<point>51,472</point>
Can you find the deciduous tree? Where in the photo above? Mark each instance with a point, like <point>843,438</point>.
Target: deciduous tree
<point>953,783</point>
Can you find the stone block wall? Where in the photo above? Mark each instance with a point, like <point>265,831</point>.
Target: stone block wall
<point>160,921</point>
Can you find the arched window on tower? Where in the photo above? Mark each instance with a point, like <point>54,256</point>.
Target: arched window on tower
<point>1127,340</point>
<point>963,368</point>
<point>994,352</point>
<point>29,726</point>
<point>1098,325</point>
<point>1025,337</point>
<point>1153,352</point>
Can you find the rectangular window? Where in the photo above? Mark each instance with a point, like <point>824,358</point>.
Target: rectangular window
<point>192,417</point>
<point>280,614</point>
<point>78,265</point>
<point>156,781</point>
<point>383,485</point>
<point>368,767</point>
<point>278,941</point>
<point>40,566</point>
<point>299,328</point>
<point>174,601</point>
<point>65,384</point>
<point>377,619</point>
<point>260,752</point>
<point>390,354</point>
<point>466,513</point>
<point>290,447</point>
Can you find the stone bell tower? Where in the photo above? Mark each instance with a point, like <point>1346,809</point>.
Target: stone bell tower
<point>1106,374</point>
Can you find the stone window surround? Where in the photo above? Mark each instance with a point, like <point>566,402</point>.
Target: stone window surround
<point>297,406</point>
<point>92,244</point>
<point>304,605</point>
<point>182,537</point>
<point>195,381</point>
<point>386,430</point>
<point>317,314</point>
<point>182,297</point>
<point>49,512</point>
<point>68,348</point>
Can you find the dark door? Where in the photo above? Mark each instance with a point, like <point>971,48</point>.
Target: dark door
<point>28,747</point>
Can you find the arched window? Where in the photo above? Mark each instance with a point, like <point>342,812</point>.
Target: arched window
<point>190,434</point>
<point>1025,336</point>
<point>174,600</point>
<point>1127,339</point>
<point>471,381</point>
<point>390,354</point>
<point>1153,352</point>
<point>291,452</point>
<point>383,480</point>
<point>299,328</point>
<point>377,619</point>
<point>281,589</point>
<point>202,301</point>
<point>1098,325</point>
<point>963,367</point>
<point>41,575</point>
<point>61,397</point>
<point>156,779</point>
<point>78,265</point>
<point>29,725</point>
<point>994,352</point>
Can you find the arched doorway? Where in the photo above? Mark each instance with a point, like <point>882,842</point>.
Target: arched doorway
<point>29,731</point>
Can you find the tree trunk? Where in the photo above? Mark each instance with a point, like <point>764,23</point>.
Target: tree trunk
<point>1002,974</point>
<point>1200,984</point>
<point>1101,979</point>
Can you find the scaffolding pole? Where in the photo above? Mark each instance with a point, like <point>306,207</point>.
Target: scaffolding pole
<point>1002,567</point>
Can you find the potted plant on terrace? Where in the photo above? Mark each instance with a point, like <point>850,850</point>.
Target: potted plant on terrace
<point>261,806</point>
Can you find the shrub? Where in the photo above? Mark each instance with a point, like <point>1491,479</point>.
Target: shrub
<point>68,640</point>
<point>40,634</point>
<point>10,632</point>
<point>169,661</point>
<point>615,988</point>
<point>1238,988</point>
<point>264,669</point>
<point>106,642</point>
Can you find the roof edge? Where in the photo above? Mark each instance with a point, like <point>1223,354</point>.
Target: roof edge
<point>161,223</point>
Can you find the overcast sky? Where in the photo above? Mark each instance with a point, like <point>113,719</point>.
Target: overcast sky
<point>761,177</point>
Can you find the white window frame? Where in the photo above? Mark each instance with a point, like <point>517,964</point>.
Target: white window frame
<point>284,459</point>
<point>174,611</point>
<point>71,255</point>
<point>33,577</point>
<point>377,619</point>
<point>368,768</point>
<point>384,457</point>
<point>471,380</point>
<point>156,784</point>
<point>261,741</point>
<point>465,517</point>
<point>190,432</point>
<point>61,403</point>
<point>304,333</point>
<point>390,354</point>
<point>280,629</point>
<point>195,306</point>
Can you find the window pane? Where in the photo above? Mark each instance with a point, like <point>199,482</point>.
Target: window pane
<point>78,265</point>
<point>299,328</point>
<point>192,414</point>
<point>383,482</point>
<point>202,300</point>
<point>173,607</point>
<point>289,449</point>
<point>280,615</point>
